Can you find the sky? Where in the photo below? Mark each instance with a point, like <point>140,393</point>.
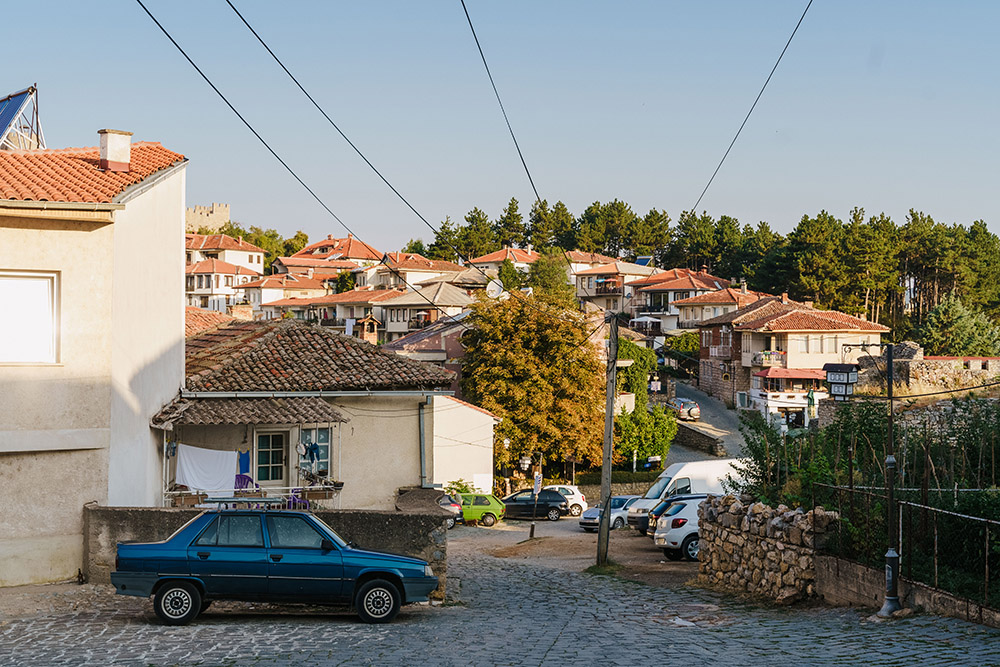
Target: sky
<point>887,106</point>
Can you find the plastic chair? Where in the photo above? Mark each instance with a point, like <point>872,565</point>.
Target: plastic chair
<point>245,482</point>
<point>296,501</point>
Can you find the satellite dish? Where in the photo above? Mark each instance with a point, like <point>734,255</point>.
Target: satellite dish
<point>494,289</point>
<point>301,449</point>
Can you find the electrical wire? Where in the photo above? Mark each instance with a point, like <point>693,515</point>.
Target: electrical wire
<point>694,208</point>
<point>268,146</point>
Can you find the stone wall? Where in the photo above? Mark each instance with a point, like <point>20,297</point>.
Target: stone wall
<point>758,550</point>
<point>593,491</point>
<point>212,217</point>
<point>723,378</point>
<point>409,534</point>
<point>696,436</point>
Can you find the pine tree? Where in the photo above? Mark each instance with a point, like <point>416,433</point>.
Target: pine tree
<point>509,228</point>
<point>952,329</point>
<point>445,242</point>
<point>509,276</point>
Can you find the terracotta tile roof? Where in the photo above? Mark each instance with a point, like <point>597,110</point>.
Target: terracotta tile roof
<point>619,268</point>
<point>349,248</point>
<point>441,327</point>
<point>474,407</point>
<point>775,314</point>
<point>684,278</point>
<point>581,257</point>
<point>218,242</point>
<point>414,262</point>
<point>352,297</point>
<point>286,281</point>
<point>792,373</point>
<point>725,296</point>
<point>72,174</point>
<point>197,319</point>
<point>314,262</point>
<point>471,278</point>
<point>286,355</point>
<point>215,411</point>
<point>516,255</point>
<point>440,294</point>
<point>218,266</point>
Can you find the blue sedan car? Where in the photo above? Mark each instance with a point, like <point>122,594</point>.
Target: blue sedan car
<point>266,555</point>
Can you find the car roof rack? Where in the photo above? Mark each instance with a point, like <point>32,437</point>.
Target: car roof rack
<point>261,503</point>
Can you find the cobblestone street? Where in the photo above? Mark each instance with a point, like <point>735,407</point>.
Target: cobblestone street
<point>509,612</point>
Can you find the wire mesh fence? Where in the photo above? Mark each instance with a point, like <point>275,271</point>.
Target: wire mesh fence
<point>943,548</point>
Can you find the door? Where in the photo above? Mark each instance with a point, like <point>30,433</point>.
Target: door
<point>521,506</point>
<point>298,568</point>
<point>229,556</point>
<point>272,459</point>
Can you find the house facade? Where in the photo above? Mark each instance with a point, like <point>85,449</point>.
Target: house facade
<point>439,343</point>
<point>609,286</point>
<point>277,287</point>
<point>406,269</point>
<point>94,343</point>
<point>321,268</point>
<point>694,310</point>
<point>349,249</point>
<point>653,305</point>
<point>413,311</point>
<point>521,258</point>
<point>214,284</point>
<point>769,355</point>
<point>235,251</point>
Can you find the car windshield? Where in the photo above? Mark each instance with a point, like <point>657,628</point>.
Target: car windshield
<point>337,539</point>
<point>631,501</point>
<point>656,490</point>
<point>616,503</point>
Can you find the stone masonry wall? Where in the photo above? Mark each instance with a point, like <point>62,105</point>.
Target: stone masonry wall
<point>759,550</point>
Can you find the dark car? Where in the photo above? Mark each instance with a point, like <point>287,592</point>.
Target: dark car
<point>647,522</point>
<point>524,505</point>
<point>266,555</point>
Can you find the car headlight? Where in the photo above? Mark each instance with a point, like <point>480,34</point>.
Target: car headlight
<point>428,572</point>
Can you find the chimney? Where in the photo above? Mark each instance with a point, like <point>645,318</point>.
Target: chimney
<point>116,149</point>
<point>808,304</point>
<point>329,237</point>
<point>743,286</point>
<point>309,272</point>
<point>784,297</point>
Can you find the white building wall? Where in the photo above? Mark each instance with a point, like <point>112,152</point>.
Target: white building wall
<point>147,336</point>
<point>463,444</point>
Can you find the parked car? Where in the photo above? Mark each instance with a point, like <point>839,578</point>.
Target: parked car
<point>682,479</point>
<point>685,408</point>
<point>270,556</point>
<point>590,520</point>
<point>677,528</point>
<point>523,505</point>
<point>454,506</point>
<point>577,501</point>
<point>652,516</point>
<point>483,508</point>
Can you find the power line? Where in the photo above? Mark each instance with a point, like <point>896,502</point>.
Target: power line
<point>694,209</point>
<point>267,145</point>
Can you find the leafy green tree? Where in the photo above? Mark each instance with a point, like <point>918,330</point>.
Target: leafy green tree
<point>648,235</point>
<point>693,243</point>
<point>644,433</point>
<point>345,282</point>
<point>445,242</point>
<point>819,272</point>
<point>634,378</point>
<point>532,365</point>
<point>415,246</point>
<point>540,225</point>
<point>509,276</point>
<point>509,229</point>
<point>548,278</point>
<point>952,329</point>
<point>270,241</point>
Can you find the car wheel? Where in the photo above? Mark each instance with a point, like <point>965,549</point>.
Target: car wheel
<point>488,520</point>
<point>590,530</point>
<point>377,601</point>
<point>642,531</point>
<point>177,602</point>
<point>689,547</point>
<point>619,522</point>
<point>552,514</point>
<point>450,523</point>
<point>575,510</point>
<point>672,554</point>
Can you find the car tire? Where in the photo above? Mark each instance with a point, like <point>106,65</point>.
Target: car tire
<point>177,602</point>
<point>589,530</point>
<point>450,523</point>
<point>377,601</point>
<point>618,523</point>
<point>672,554</point>
<point>488,520</point>
<point>575,510</point>
<point>689,547</point>
<point>642,531</point>
<point>553,514</point>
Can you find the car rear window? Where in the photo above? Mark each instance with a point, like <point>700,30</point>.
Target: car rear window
<point>674,509</point>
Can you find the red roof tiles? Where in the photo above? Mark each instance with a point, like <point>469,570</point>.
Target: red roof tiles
<point>218,242</point>
<point>197,320</point>
<point>781,314</point>
<point>349,248</point>
<point>73,175</point>
<point>218,266</point>
<point>414,262</point>
<point>513,254</point>
<point>581,257</point>
<point>726,296</point>
<point>286,281</point>
<point>681,279</point>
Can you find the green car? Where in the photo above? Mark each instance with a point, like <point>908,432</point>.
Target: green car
<point>483,508</point>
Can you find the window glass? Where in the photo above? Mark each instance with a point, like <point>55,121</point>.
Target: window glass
<point>617,503</point>
<point>683,486</point>
<point>481,500</point>
<point>271,457</point>
<point>236,530</point>
<point>674,509</point>
<point>320,437</point>
<point>656,490</point>
<point>31,333</point>
<point>523,495</point>
<point>292,532</point>
<point>208,537</point>
<point>467,501</point>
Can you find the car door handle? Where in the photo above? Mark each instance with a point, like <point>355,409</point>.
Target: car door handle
<point>275,557</point>
<point>203,554</point>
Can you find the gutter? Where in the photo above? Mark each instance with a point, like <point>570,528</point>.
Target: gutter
<point>423,443</point>
<point>61,205</point>
<point>151,181</point>
<point>310,394</point>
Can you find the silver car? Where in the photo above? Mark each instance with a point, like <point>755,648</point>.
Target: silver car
<point>685,408</point>
<point>590,520</point>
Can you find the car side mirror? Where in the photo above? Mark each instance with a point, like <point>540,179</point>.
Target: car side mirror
<point>326,545</point>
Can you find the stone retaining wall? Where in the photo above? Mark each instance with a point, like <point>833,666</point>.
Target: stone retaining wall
<point>593,491</point>
<point>759,550</point>
<point>689,435</point>
<point>409,534</point>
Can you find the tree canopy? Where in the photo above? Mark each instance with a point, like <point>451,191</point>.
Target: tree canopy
<point>269,240</point>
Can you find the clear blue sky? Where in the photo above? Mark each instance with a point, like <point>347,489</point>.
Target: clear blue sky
<point>888,106</point>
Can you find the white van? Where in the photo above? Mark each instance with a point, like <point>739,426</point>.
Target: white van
<point>678,479</point>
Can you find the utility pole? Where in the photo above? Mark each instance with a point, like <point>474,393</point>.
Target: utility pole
<point>891,602</point>
<point>604,530</point>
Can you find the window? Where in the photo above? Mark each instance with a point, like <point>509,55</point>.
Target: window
<point>31,301</point>
<point>804,343</point>
<point>292,532</point>
<point>201,281</point>
<point>216,281</point>
<point>683,486</point>
<point>271,457</point>
<point>481,500</point>
<point>233,530</point>
<point>321,438</point>
<point>229,281</point>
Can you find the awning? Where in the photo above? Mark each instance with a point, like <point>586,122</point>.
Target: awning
<point>792,373</point>
<point>645,318</point>
<point>228,411</point>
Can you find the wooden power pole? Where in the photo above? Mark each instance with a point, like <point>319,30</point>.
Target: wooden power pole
<point>604,531</point>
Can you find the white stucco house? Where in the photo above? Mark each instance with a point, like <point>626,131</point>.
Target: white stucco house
<point>92,346</point>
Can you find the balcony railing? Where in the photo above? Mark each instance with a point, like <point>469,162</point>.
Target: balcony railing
<point>654,309</point>
<point>688,324</point>
<point>608,288</point>
<point>333,322</point>
<point>722,351</point>
<point>418,323</point>
<point>770,358</point>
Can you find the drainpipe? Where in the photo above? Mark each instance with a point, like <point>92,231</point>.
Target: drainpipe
<point>423,443</point>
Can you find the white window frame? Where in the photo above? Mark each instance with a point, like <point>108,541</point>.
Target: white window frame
<point>53,307</point>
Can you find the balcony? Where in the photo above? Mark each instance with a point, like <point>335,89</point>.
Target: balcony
<point>720,351</point>
<point>653,309</point>
<point>770,358</point>
<point>608,288</point>
<point>419,323</point>
<point>688,324</point>
<point>333,322</point>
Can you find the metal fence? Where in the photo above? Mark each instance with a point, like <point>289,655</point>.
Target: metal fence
<point>946,549</point>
